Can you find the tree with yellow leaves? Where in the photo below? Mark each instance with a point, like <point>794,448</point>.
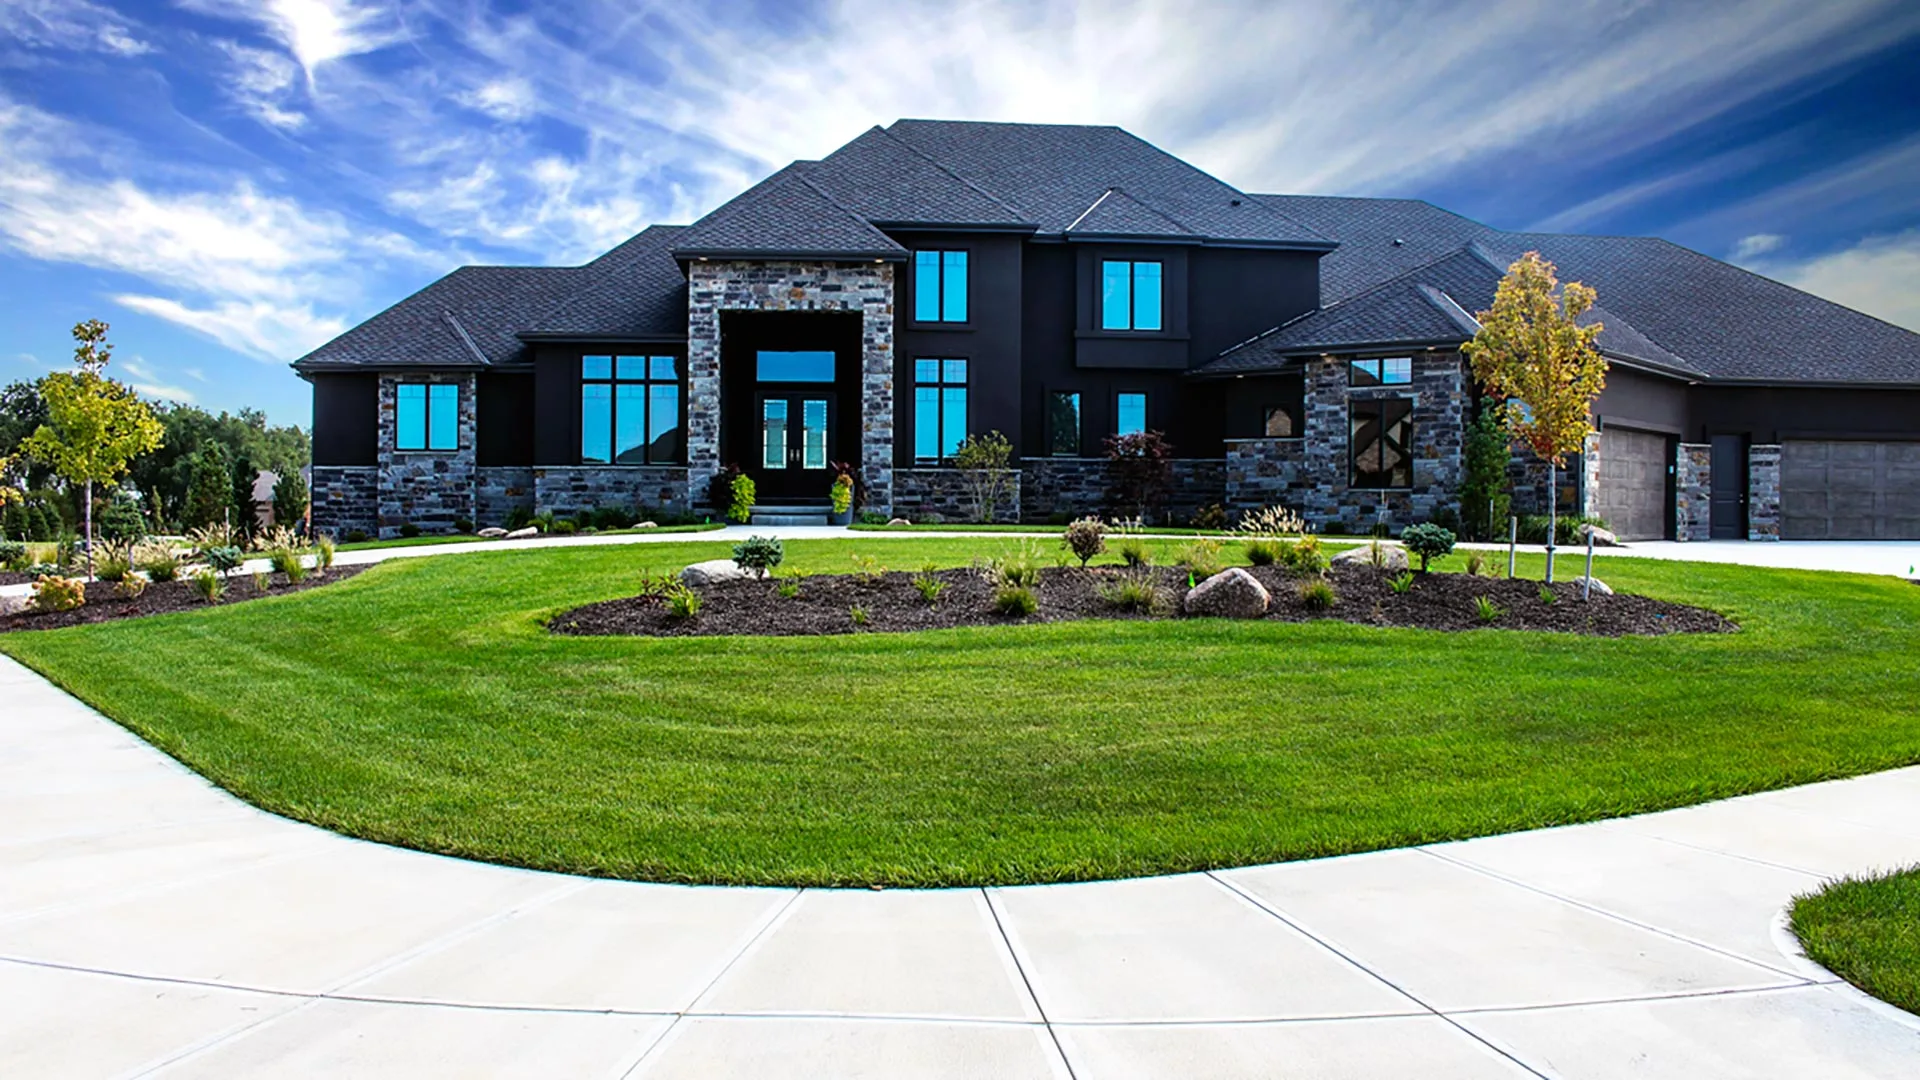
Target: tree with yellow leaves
<point>1533,356</point>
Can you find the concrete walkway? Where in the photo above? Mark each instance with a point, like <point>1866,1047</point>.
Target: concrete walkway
<point>151,925</point>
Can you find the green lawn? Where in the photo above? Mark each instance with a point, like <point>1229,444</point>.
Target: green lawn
<point>422,703</point>
<point>468,538</point>
<point>1867,931</point>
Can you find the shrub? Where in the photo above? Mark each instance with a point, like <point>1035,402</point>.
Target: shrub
<point>160,563</point>
<point>261,583</point>
<point>408,530</point>
<point>787,588</point>
<point>1015,600</point>
<point>288,562</point>
<point>655,585</point>
<point>1135,553</point>
<point>56,593</point>
<point>519,518</point>
<point>858,615</point>
<point>1263,552</point>
<point>743,496</point>
<point>1428,541</point>
<point>1376,554</point>
<point>208,586</point>
<point>120,519</point>
<point>462,525</point>
<point>758,554</point>
<point>868,569</point>
<point>562,527</point>
<point>1134,592</point>
<point>1476,563</point>
<point>720,489</point>
<point>130,587</point>
<point>323,553</point>
<point>354,536</point>
<point>1272,521</point>
<point>1317,594</point>
<point>1201,557</point>
<point>1086,537</point>
<point>45,569</point>
<point>13,554</point>
<point>1401,583</point>
<point>1017,567</point>
<point>984,471</point>
<point>1304,556</point>
<point>66,550</point>
<point>1210,516</point>
<point>841,493</point>
<point>113,560</point>
<point>1533,528</point>
<point>223,559</point>
<point>930,587</point>
<point>1547,595</point>
<point>1139,470</point>
<point>1485,610</point>
<point>682,602</point>
<point>872,517</point>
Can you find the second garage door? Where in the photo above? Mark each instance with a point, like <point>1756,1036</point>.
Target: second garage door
<point>1632,493</point>
<point>1849,490</point>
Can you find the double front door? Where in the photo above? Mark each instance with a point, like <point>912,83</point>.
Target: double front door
<point>795,431</point>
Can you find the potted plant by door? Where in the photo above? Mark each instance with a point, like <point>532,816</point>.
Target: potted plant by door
<point>842,495</point>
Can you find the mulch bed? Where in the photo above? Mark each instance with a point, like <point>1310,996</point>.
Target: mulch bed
<point>162,597</point>
<point>14,577</point>
<point>892,604</point>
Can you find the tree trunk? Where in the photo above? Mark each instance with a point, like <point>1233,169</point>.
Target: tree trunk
<point>1553,525</point>
<point>87,539</point>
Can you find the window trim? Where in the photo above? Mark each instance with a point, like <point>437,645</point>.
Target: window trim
<point>613,381</point>
<point>1133,295</point>
<point>427,395</point>
<point>1146,407</point>
<point>940,287</point>
<point>940,385</point>
<point>1378,402</point>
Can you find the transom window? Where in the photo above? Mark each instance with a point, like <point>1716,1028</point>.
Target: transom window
<point>630,410</point>
<point>1130,414</point>
<point>813,366</point>
<point>1129,295</point>
<point>1063,423</point>
<point>426,416</point>
<point>1381,440</point>
<point>939,408</point>
<point>940,286</point>
<point>1391,371</point>
<point>1277,422</point>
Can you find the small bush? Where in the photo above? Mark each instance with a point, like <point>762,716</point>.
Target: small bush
<point>288,562</point>
<point>858,615</point>
<point>1263,552</point>
<point>1401,583</point>
<point>223,559</point>
<point>872,517</point>
<point>1547,595</point>
<point>13,553</point>
<point>787,588</point>
<point>1304,556</point>
<point>354,536</point>
<point>56,593</point>
<point>742,495</point>
<point>1135,552</point>
<point>1476,563</point>
<point>682,602</point>
<point>1376,554</point>
<point>1427,541</point>
<point>130,587</point>
<point>1201,557</point>
<point>261,583</point>
<point>408,530</point>
<point>1272,521</point>
<point>1086,537</point>
<point>323,553</point>
<point>930,587</point>
<point>1318,595</point>
<point>1485,610</point>
<point>462,525</point>
<point>655,585</point>
<point>867,569</point>
<point>758,554</point>
<point>519,518</point>
<point>562,527</point>
<point>115,562</point>
<point>159,563</point>
<point>1134,592</point>
<point>1015,601</point>
<point>1210,516</point>
<point>1566,530</point>
<point>1017,567</point>
<point>208,586</point>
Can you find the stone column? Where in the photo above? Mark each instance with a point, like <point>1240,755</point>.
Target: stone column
<point>1693,492</point>
<point>429,488</point>
<point>1763,492</point>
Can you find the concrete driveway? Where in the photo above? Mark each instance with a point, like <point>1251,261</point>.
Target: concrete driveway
<point>151,925</point>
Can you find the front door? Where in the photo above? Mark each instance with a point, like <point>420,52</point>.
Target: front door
<point>795,431</point>
<point>1729,488</point>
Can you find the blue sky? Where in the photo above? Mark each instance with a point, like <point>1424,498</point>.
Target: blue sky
<point>231,182</point>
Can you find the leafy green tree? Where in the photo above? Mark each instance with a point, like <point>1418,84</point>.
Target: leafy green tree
<point>95,427</point>
<point>210,492</point>
<point>1533,355</point>
<point>22,412</point>
<point>984,464</point>
<point>290,499</point>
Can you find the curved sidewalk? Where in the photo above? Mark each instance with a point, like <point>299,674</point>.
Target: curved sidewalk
<point>151,925</point>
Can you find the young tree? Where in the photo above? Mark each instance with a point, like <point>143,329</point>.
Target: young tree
<point>985,470</point>
<point>1139,472</point>
<point>210,491</point>
<point>290,500</point>
<point>95,426</point>
<point>1483,480</point>
<point>1532,355</point>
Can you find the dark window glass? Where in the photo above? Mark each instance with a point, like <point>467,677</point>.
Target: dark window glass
<point>426,416</point>
<point>1063,423</point>
<point>940,286</point>
<point>1129,295</point>
<point>1381,441</point>
<point>630,410</point>
<point>1392,371</point>
<point>939,407</point>
<point>1130,414</point>
<point>1278,423</point>
<point>794,366</point>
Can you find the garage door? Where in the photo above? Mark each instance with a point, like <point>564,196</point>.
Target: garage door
<point>1632,495</point>
<point>1849,490</point>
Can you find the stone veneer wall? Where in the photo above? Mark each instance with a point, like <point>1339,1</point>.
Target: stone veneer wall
<point>1079,485</point>
<point>1693,492</point>
<point>499,490</point>
<point>1763,492</point>
<point>429,488</point>
<point>1589,475</point>
<point>566,489</point>
<point>935,494</point>
<point>716,287</point>
<point>1439,392</point>
<point>1265,472</point>
<point>346,498</point>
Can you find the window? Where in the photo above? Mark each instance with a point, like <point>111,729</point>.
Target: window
<point>1277,422</point>
<point>940,286</point>
<point>1381,439</point>
<point>426,416</point>
<point>939,407</point>
<point>629,410</point>
<point>1393,371</point>
<point>793,366</point>
<point>1063,423</point>
<point>1130,414</point>
<point>1129,295</point>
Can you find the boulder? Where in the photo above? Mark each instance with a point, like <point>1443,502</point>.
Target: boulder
<point>898,523</point>
<point>647,525</point>
<point>527,533</point>
<point>1229,594</point>
<point>712,572</point>
<point>1393,555</point>
<point>1601,537</point>
<point>1599,587</point>
<point>494,533</point>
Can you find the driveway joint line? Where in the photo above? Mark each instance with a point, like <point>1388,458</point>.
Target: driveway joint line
<point>1006,940</point>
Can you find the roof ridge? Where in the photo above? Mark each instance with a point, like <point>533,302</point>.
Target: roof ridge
<point>461,331</point>
<point>1137,201</point>
<point>943,167</point>
<point>1449,307</point>
<point>1091,207</point>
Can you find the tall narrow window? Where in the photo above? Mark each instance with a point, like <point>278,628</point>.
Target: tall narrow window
<point>1063,423</point>
<point>426,416</point>
<point>1130,414</point>
<point>1381,438</point>
<point>1130,295</point>
<point>940,286</point>
<point>629,410</point>
<point>939,407</point>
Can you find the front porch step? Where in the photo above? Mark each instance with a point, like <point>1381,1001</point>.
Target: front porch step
<point>797,513</point>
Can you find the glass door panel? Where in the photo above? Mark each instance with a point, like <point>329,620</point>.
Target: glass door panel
<point>773,433</point>
<point>813,446</point>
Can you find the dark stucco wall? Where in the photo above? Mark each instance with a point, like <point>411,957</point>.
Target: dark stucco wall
<point>1771,414</point>
<point>1637,399</point>
<point>346,419</point>
<point>990,339</point>
<point>505,419</point>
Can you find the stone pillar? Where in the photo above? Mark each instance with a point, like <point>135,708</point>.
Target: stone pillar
<point>1589,475</point>
<point>428,488</point>
<point>1763,492</point>
<point>1693,492</point>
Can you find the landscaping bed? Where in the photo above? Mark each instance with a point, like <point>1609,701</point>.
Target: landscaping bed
<point>104,604</point>
<point>894,602</point>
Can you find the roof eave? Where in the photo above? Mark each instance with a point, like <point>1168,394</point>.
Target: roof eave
<point>777,255</point>
<point>306,367</point>
<point>588,335</point>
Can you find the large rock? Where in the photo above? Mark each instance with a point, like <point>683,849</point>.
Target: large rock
<point>712,572</point>
<point>527,533</point>
<point>1229,594</point>
<point>898,523</point>
<point>1601,537</point>
<point>1393,557</point>
<point>1599,587</point>
<point>493,533</point>
<point>647,525</point>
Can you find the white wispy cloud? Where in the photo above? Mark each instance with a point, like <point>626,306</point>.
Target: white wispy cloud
<point>79,25</point>
<point>264,83</point>
<point>314,32</point>
<point>1756,244</point>
<point>1880,275</point>
<point>510,99</point>
<point>147,381</point>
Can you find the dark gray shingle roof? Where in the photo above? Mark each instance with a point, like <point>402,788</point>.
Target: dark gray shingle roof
<point>786,214</point>
<point>634,291</point>
<point>489,304</point>
<point>885,180</point>
<point>1116,213</point>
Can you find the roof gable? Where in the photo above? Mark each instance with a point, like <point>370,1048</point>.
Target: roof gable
<point>634,291</point>
<point>785,215</point>
<point>466,319</point>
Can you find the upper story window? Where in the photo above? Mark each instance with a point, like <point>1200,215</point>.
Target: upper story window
<point>426,416</point>
<point>1063,423</point>
<point>1392,371</point>
<point>1129,295</point>
<point>940,286</point>
<point>939,408</point>
<point>1130,414</point>
<point>629,410</point>
<point>1381,438</point>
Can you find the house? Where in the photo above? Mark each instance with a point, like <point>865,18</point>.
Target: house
<point>1062,284</point>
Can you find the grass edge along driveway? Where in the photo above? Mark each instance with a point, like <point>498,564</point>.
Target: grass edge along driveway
<point>1867,931</point>
<point>424,704</point>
